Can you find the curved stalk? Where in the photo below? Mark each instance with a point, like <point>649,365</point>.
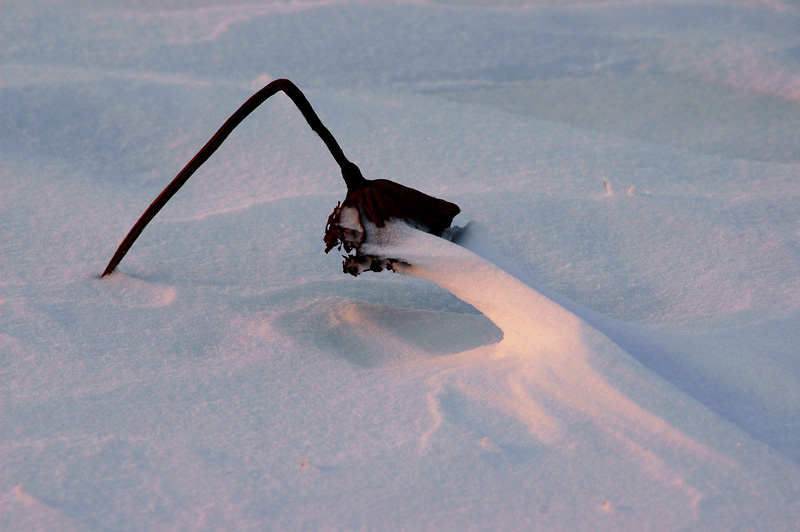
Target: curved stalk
<point>350,172</point>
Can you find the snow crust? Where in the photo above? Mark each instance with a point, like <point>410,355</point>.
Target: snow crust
<point>576,357</point>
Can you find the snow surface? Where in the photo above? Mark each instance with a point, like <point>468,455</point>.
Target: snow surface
<point>583,357</point>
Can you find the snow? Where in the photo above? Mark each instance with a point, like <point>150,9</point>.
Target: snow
<point>578,357</point>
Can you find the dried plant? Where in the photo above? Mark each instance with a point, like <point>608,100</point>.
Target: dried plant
<point>377,200</point>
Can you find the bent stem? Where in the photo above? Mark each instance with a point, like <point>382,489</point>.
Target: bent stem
<point>350,172</point>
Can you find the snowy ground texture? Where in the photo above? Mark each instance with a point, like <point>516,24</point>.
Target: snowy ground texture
<point>581,357</point>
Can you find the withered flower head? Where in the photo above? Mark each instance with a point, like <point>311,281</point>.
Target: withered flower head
<point>377,201</point>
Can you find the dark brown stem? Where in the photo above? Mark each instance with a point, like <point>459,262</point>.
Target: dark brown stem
<point>350,172</point>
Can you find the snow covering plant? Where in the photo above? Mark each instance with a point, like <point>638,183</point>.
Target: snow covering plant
<point>368,201</point>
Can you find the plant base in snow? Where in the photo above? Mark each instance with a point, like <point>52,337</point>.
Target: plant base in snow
<point>368,207</point>
<point>356,264</point>
<point>345,230</point>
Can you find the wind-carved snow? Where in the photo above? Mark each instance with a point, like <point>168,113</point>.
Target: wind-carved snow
<point>551,349</point>
<point>551,371</point>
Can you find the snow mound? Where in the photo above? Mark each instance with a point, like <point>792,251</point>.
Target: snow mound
<point>569,386</point>
<point>559,360</point>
